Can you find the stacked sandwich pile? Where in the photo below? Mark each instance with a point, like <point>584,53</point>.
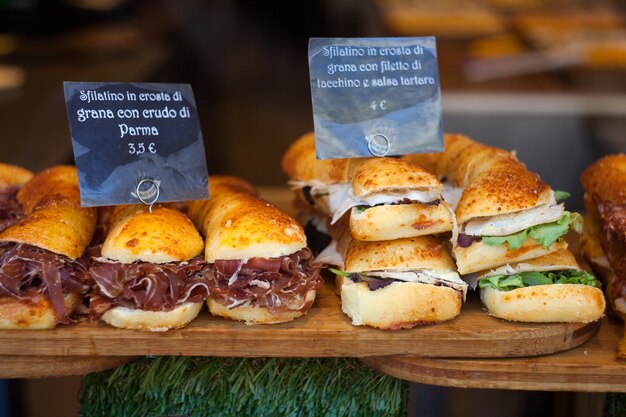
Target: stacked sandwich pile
<point>144,270</point>
<point>505,226</point>
<point>604,241</point>
<point>384,215</point>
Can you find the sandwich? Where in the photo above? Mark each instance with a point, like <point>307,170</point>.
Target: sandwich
<point>551,288</point>
<point>260,270</point>
<point>397,284</point>
<point>12,178</point>
<point>43,267</point>
<point>604,240</point>
<point>149,275</point>
<point>312,179</point>
<point>391,199</point>
<point>506,214</point>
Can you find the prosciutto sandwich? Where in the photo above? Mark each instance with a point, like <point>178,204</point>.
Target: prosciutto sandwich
<point>604,241</point>
<point>551,288</point>
<point>506,214</point>
<point>43,268</point>
<point>397,284</point>
<point>149,274</point>
<point>260,270</point>
<point>12,178</point>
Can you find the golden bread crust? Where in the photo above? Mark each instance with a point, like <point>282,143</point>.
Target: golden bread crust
<point>428,161</point>
<point>152,321</point>
<point>13,175</point>
<point>57,185</point>
<point>606,178</point>
<point>394,221</point>
<point>300,163</point>
<point>240,225</point>
<point>164,235</point>
<point>259,315</point>
<point>35,313</point>
<point>572,303</point>
<point>66,230</point>
<point>479,256</point>
<point>385,174</point>
<point>400,305</point>
<point>506,187</point>
<point>423,252</point>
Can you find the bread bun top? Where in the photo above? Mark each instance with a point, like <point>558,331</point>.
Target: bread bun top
<point>66,230</point>
<point>428,161</point>
<point>300,163</point>
<point>165,235</point>
<point>606,178</point>
<point>463,159</point>
<point>53,186</point>
<point>560,260</point>
<point>506,187</point>
<point>242,226</point>
<point>423,252</point>
<point>12,175</point>
<point>388,174</point>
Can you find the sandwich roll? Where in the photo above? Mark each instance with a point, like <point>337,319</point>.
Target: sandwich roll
<point>149,275</point>
<point>551,288</point>
<point>505,214</point>
<point>43,267</point>
<point>389,199</point>
<point>604,242</point>
<point>311,178</point>
<point>12,178</point>
<point>261,271</point>
<point>398,284</point>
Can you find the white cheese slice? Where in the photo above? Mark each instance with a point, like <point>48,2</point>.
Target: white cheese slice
<point>330,256</point>
<point>452,194</point>
<point>341,199</point>
<point>426,276</point>
<point>506,224</point>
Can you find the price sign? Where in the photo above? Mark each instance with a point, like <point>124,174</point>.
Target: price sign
<point>375,96</point>
<point>136,142</point>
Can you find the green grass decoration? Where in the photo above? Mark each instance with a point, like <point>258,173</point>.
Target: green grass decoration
<point>615,405</point>
<point>205,386</point>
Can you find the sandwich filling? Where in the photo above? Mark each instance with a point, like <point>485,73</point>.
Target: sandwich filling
<point>10,210</point>
<point>341,198</point>
<point>380,279</point>
<point>278,284</point>
<point>546,224</point>
<point>504,282</point>
<point>27,271</point>
<point>146,286</point>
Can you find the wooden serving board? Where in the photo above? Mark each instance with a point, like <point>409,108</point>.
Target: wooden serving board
<point>592,367</point>
<point>324,332</point>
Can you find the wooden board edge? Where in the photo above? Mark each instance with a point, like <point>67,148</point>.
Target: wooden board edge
<point>14,366</point>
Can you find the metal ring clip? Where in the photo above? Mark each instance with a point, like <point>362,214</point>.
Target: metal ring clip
<point>148,192</point>
<point>378,144</point>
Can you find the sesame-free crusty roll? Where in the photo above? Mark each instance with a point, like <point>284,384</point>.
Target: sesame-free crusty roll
<point>397,284</point>
<point>149,276</point>
<point>551,288</point>
<point>261,271</point>
<point>43,269</point>
<point>506,213</point>
<point>390,199</point>
<point>12,178</point>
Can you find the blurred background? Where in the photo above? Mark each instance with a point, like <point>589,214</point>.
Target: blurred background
<point>545,78</point>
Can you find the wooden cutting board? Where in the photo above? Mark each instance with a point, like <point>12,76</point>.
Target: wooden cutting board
<point>324,332</point>
<point>592,367</point>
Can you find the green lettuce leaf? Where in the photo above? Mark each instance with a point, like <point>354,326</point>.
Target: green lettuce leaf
<point>545,234</point>
<point>529,279</point>
<point>561,195</point>
<point>338,272</point>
